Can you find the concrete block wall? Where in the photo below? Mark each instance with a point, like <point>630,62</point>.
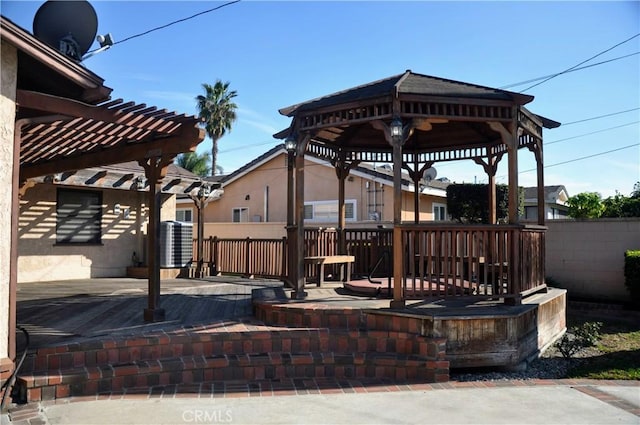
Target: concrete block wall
<point>586,257</point>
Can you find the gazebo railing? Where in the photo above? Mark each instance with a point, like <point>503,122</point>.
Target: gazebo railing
<point>451,260</point>
<point>439,260</point>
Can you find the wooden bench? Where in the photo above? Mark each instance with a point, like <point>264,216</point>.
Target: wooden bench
<point>321,260</point>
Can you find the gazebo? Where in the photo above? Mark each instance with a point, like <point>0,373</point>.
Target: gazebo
<point>414,121</point>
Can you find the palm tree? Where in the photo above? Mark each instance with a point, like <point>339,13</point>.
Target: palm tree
<point>197,164</point>
<point>217,112</point>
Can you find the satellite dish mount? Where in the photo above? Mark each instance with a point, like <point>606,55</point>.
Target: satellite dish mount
<point>69,26</point>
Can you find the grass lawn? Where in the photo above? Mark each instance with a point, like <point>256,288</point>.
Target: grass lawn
<point>617,354</point>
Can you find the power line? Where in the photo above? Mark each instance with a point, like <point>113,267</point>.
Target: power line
<point>562,140</point>
<point>249,146</point>
<point>566,72</point>
<point>599,116</point>
<point>583,157</point>
<point>581,63</point>
<point>590,133</point>
<point>175,22</point>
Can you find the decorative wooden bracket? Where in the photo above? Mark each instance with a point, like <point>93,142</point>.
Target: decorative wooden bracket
<point>508,137</point>
<point>490,167</point>
<point>342,166</point>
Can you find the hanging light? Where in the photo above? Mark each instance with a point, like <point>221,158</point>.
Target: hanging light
<point>396,129</point>
<point>290,143</point>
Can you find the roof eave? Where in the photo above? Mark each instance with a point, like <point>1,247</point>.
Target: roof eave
<point>94,90</point>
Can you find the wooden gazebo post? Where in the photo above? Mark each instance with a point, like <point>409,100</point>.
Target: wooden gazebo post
<point>290,146</point>
<point>298,242</point>
<point>396,135</point>
<point>343,168</point>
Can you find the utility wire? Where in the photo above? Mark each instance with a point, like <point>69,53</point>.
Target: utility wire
<point>176,22</point>
<point>566,72</point>
<point>583,157</point>
<point>581,63</point>
<point>249,146</point>
<point>599,116</point>
<point>590,133</point>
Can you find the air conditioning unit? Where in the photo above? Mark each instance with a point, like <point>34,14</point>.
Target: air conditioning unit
<point>176,244</point>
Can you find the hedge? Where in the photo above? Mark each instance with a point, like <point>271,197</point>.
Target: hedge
<point>632,274</point>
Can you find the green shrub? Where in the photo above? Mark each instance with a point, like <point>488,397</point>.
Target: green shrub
<point>469,203</point>
<point>578,338</point>
<point>632,274</point>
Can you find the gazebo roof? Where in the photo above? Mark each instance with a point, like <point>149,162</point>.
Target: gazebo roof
<point>409,83</point>
<point>447,120</point>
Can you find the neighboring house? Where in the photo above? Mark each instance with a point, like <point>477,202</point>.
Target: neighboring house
<point>257,193</point>
<point>92,221</point>
<point>555,203</point>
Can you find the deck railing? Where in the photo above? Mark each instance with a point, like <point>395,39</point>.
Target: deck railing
<point>439,260</point>
<point>247,257</point>
<point>460,260</point>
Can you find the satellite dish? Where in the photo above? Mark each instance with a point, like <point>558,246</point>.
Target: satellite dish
<point>69,26</point>
<point>430,174</point>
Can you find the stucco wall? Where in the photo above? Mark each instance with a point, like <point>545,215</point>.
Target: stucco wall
<point>9,70</point>
<point>41,259</point>
<point>587,257</point>
<point>321,184</point>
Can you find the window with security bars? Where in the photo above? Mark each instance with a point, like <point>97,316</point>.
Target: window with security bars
<point>78,217</point>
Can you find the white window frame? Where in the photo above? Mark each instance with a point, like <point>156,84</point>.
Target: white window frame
<point>241,210</point>
<point>184,210</point>
<point>330,216</point>
<point>436,206</point>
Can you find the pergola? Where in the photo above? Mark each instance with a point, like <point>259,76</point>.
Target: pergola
<point>65,121</point>
<point>414,121</point>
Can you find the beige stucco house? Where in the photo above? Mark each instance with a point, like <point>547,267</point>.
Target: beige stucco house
<point>255,196</point>
<point>114,197</point>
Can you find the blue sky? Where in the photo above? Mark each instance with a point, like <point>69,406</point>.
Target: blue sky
<point>276,54</point>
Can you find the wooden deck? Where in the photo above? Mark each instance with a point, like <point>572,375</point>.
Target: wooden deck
<point>68,311</point>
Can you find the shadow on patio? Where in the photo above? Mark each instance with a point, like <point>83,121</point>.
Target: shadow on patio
<point>70,311</point>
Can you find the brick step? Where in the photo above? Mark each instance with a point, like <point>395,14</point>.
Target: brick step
<point>147,375</point>
<point>170,346</point>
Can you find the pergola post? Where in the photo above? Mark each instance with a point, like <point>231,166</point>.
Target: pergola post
<point>155,170</point>
<point>200,205</point>
<point>201,199</point>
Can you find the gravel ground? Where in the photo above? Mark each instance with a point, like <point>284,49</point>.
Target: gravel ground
<point>551,365</point>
